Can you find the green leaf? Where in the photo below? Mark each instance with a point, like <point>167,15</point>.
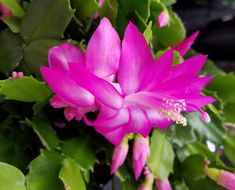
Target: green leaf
<point>171,34</point>
<point>11,51</point>
<point>194,167</point>
<point>148,32</point>
<point>44,131</point>
<point>109,10</point>
<point>46,19</point>
<point>229,111</point>
<point>214,131</point>
<point>199,148</point>
<point>168,2</point>
<point>13,24</point>
<point>229,148</point>
<point>181,135</point>
<point>224,85</point>
<point>6,149</point>
<point>11,178</point>
<point>161,156</point>
<point>26,89</point>
<point>81,151</point>
<point>85,9</point>
<point>36,54</point>
<point>180,186</point>
<point>193,172</point>
<point>142,7</point>
<point>43,172</point>
<point>71,176</point>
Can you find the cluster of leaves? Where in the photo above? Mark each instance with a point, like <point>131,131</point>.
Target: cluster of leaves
<point>40,150</point>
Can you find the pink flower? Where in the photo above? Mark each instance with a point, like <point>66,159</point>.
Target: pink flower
<point>185,45</point>
<point>140,154</point>
<point>224,178</point>
<point>163,185</point>
<point>119,155</point>
<point>101,59</point>
<point>4,12</point>
<point>148,93</point>
<point>163,19</point>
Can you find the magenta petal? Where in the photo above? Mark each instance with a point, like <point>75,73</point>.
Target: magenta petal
<point>61,82</point>
<point>100,88</point>
<point>182,88</point>
<point>139,122</point>
<point>105,125</point>
<point>59,56</point>
<point>158,70</point>
<point>70,113</point>
<point>196,101</point>
<point>189,68</point>
<point>103,50</point>
<point>57,102</point>
<point>136,58</point>
<point>185,45</point>
<point>115,137</point>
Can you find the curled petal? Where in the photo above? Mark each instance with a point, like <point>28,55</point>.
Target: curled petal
<point>103,50</point>
<point>60,56</point>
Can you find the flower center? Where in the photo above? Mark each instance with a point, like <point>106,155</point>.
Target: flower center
<point>171,109</point>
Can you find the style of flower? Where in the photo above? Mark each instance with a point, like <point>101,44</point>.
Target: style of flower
<point>101,59</point>
<point>4,12</point>
<point>148,93</point>
<point>163,19</point>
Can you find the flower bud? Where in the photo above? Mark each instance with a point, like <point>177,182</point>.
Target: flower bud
<point>148,182</point>
<point>224,178</point>
<point>119,154</point>
<point>163,19</point>
<point>4,12</point>
<point>163,185</point>
<point>140,154</point>
<point>15,75</point>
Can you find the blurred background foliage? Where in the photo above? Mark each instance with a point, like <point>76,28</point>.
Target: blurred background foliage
<point>39,148</point>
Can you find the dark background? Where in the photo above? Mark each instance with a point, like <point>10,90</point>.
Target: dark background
<point>216,21</point>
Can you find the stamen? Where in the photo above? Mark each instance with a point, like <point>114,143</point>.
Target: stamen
<point>171,109</point>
